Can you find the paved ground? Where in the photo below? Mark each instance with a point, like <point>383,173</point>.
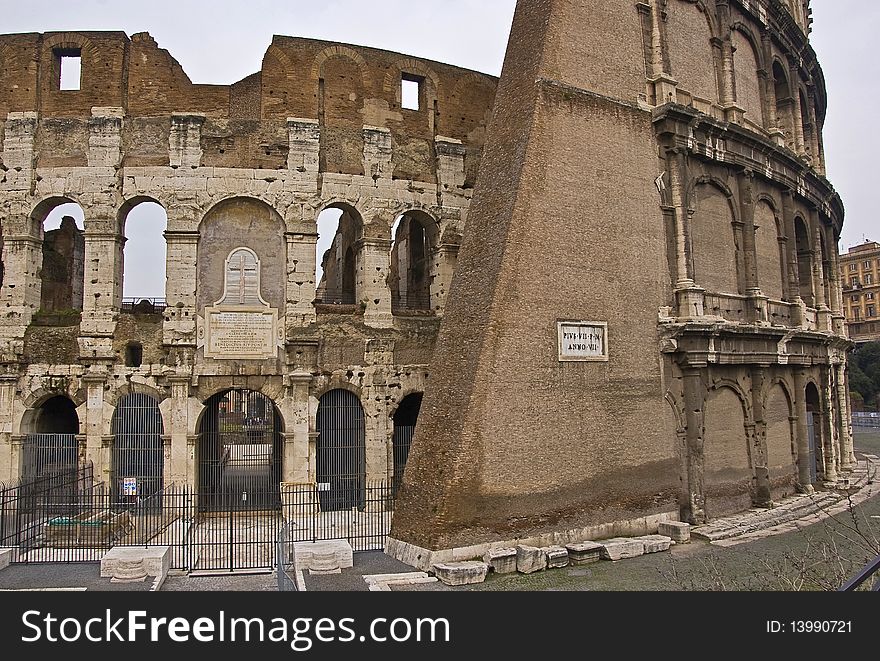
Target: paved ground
<point>815,552</point>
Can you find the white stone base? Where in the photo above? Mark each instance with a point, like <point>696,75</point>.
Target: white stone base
<point>6,556</point>
<point>315,555</point>
<point>461,573</point>
<point>621,549</point>
<point>132,563</point>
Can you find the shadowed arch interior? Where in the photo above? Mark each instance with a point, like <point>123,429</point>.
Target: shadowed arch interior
<point>341,451</point>
<point>138,451</point>
<point>405,418</point>
<point>50,443</point>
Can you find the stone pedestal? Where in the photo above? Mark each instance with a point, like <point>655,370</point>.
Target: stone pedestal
<point>584,553</point>
<point>461,573</point>
<point>680,533</point>
<point>655,543</point>
<point>557,557</point>
<point>501,561</point>
<point>621,549</point>
<point>530,559</point>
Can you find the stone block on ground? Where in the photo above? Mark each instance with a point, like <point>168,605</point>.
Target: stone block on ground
<point>584,553</point>
<point>621,548</point>
<point>656,543</point>
<point>501,561</point>
<point>679,532</point>
<point>461,573</point>
<point>6,556</point>
<point>317,555</point>
<point>530,559</point>
<point>136,563</point>
<point>557,557</point>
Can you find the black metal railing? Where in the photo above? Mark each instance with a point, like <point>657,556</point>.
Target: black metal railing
<point>863,576</point>
<point>410,303</point>
<point>144,305</point>
<point>335,297</point>
<point>866,420</point>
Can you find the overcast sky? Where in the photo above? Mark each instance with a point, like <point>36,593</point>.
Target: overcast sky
<point>222,41</point>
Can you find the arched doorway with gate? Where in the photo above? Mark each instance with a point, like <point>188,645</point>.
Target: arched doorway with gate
<point>240,452</point>
<point>815,458</point>
<point>341,452</point>
<point>405,418</point>
<point>138,450</point>
<point>50,443</point>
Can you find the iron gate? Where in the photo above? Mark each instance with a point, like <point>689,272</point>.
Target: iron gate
<point>341,463</point>
<point>138,451</point>
<point>47,454</point>
<point>240,460</point>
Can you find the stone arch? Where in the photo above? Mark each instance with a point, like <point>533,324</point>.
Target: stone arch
<point>138,427</point>
<point>769,249</point>
<point>62,264</point>
<point>784,100</point>
<point>805,255</point>
<point>691,33</point>
<point>414,67</point>
<point>415,239</point>
<point>806,120</point>
<point>338,258</point>
<point>340,450</point>
<point>137,237</point>
<point>727,463</point>
<point>112,396</point>
<point>339,50</point>
<point>712,239</point>
<point>236,222</point>
<point>748,67</point>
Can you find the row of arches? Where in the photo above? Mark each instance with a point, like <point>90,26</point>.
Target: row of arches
<point>790,259</point>
<point>240,449</point>
<point>774,95</point>
<point>414,237</point>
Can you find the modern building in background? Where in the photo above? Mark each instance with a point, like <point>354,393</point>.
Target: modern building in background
<point>860,275</point>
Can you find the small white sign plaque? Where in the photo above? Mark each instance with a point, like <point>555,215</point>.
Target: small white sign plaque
<point>583,341</point>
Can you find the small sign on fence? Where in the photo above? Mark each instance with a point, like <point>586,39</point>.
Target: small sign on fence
<point>323,486</point>
<point>129,486</point>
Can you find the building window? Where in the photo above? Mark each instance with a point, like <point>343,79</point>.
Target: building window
<point>134,354</point>
<point>854,299</point>
<point>868,265</point>
<point>854,281</point>
<point>68,64</point>
<point>869,279</point>
<point>870,312</point>
<point>856,314</point>
<point>411,92</point>
<point>869,296</point>
<point>853,267</point>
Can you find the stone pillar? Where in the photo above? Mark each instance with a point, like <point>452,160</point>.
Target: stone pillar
<point>733,112</point>
<point>377,153</point>
<point>21,290</point>
<point>304,136</point>
<point>445,260</point>
<point>18,148</point>
<point>761,493</point>
<point>185,140</point>
<point>374,264</point>
<point>8,470</point>
<point>182,444</point>
<point>847,456</point>
<point>105,137</point>
<point>180,316</point>
<point>803,442</point>
<point>450,163</point>
<point>838,315</point>
<point>689,296</point>
<point>823,320</point>
<point>797,119</point>
<point>296,440</point>
<point>665,86</point>
<point>102,292</point>
<point>693,511</point>
<point>792,289</point>
<point>97,449</point>
<point>830,441</point>
<point>301,285</point>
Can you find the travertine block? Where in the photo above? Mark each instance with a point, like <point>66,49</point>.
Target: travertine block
<point>501,561</point>
<point>461,573</point>
<point>621,548</point>
<point>530,559</point>
<point>679,532</point>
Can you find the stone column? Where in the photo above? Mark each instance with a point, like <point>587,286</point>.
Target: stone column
<point>374,264</point>
<point>797,112</point>
<point>803,441</point>
<point>97,449</point>
<point>761,494</point>
<point>21,290</point>
<point>823,320</point>
<point>665,86</point>
<point>180,316</point>
<point>792,289</point>
<point>838,316</point>
<point>301,285</point>
<point>296,446</point>
<point>445,260</point>
<point>182,445</point>
<point>689,296</point>
<point>847,456</point>
<point>830,441</point>
<point>8,470</point>
<point>693,511</point>
<point>102,292</point>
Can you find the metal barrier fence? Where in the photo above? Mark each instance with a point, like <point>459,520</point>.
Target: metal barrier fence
<point>285,565</point>
<point>866,420</point>
<point>870,571</point>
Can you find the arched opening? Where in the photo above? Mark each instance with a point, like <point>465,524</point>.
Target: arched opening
<point>64,249</point>
<point>768,249</point>
<point>780,443</point>
<point>712,241</point>
<point>138,451</point>
<point>405,418</point>
<point>748,86</point>
<point>134,354</point>
<point>341,452</point>
<point>815,459</point>
<point>144,258</point>
<point>240,457</point>
<point>727,470</point>
<point>827,272</point>
<point>784,103</point>
<point>50,444</point>
<point>804,261</point>
<point>415,238</point>
<point>339,229</point>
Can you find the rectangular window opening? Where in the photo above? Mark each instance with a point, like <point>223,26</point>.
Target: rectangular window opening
<point>69,69</point>
<point>411,92</point>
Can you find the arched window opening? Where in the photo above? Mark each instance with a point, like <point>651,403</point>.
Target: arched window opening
<point>341,452</point>
<point>50,445</point>
<point>64,250</point>
<point>134,354</point>
<point>405,418</point>
<point>806,125</point>
<point>144,259</point>
<point>804,262</point>
<point>784,103</point>
<point>414,236</point>
<point>138,450</point>
<point>339,230</point>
